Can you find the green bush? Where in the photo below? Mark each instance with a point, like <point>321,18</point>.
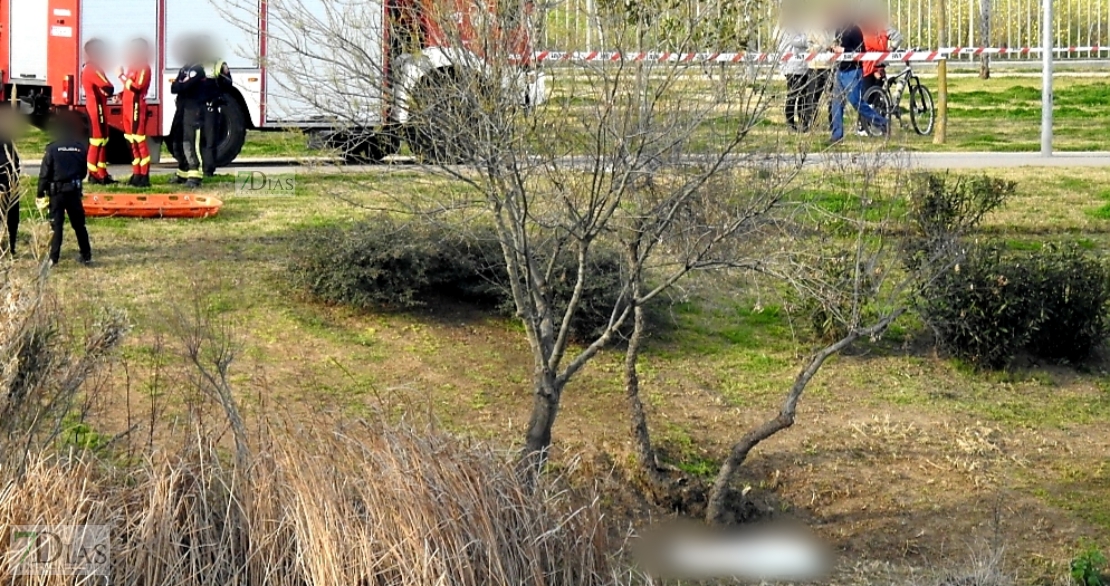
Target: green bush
<point>942,209</point>
<point>843,293</point>
<point>382,263</point>
<point>1087,568</point>
<point>370,265</point>
<point>1052,302</point>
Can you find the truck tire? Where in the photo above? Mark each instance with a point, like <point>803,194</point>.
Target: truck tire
<point>437,106</point>
<point>119,150</point>
<point>381,144</point>
<point>232,131</point>
<point>358,147</point>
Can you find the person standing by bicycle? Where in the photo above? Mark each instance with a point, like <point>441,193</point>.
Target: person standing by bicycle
<point>793,44</point>
<point>878,37</point>
<point>848,84</point>
<point>821,36</point>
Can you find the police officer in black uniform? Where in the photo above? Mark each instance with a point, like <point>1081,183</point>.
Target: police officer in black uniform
<point>62,171</point>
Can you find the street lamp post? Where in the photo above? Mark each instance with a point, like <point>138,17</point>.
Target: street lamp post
<point>1046,80</point>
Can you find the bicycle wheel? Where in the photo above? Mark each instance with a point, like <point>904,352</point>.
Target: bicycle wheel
<point>878,98</point>
<point>922,112</point>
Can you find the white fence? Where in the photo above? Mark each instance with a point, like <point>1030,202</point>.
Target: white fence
<point>1013,24</point>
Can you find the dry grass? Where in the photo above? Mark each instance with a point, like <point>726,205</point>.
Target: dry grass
<point>362,505</point>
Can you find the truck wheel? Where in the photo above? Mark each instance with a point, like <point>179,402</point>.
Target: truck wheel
<point>438,111</point>
<point>377,146</point>
<point>119,150</point>
<point>358,147</point>
<point>232,130</point>
<point>385,144</point>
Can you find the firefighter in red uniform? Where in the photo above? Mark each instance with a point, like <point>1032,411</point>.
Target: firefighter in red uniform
<point>97,91</point>
<point>136,82</point>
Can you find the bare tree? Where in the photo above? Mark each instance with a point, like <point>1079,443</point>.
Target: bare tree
<point>627,156</point>
<point>860,268</point>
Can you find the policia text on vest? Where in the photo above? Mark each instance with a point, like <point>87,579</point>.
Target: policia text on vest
<point>62,170</point>
<point>199,89</point>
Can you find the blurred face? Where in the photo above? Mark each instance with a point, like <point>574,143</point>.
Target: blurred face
<point>139,54</point>
<point>11,123</point>
<point>205,49</point>
<point>94,53</point>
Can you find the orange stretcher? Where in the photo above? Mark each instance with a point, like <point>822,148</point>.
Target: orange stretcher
<point>173,205</point>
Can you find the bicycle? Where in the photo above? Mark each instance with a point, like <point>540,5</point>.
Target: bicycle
<point>886,98</point>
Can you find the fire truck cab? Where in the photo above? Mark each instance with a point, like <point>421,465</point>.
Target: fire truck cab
<point>40,63</point>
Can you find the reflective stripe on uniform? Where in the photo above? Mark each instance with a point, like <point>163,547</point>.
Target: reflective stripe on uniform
<point>194,174</point>
<point>91,167</point>
<point>144,161</point>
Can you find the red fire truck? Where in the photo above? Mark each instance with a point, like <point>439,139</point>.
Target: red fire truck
<point>40,61</point>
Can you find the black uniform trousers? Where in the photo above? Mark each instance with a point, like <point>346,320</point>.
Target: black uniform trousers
<point>9,208</point>
<point>199,122</point>
<point>65,201</point>
<point>803,97</point>
<point>794,108</point>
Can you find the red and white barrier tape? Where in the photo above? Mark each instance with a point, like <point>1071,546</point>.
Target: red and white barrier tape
<point>904,56</point>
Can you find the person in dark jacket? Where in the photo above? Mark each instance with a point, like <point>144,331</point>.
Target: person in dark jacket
<point>199,88</point>
<point>217,81</point>
<point>61,175</point>
<point>848,85</point>
<point>9,180</point>
<point>189,89</point>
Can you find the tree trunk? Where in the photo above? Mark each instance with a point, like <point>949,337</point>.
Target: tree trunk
<point>985,37</point>
<point>545,408</point>
<point>715,510</point>
<point>641,435</point>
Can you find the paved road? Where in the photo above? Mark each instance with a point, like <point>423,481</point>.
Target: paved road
<point>936,161</point>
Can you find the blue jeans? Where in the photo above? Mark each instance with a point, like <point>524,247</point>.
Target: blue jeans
<point>849,87</point>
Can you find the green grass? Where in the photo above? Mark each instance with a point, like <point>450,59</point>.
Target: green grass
<point>259,144</point>
<point>723,368</point>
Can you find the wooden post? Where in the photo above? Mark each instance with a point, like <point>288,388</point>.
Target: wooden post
<point>941,133</point>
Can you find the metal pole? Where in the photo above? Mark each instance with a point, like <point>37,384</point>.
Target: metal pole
<point>1046,80</point>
